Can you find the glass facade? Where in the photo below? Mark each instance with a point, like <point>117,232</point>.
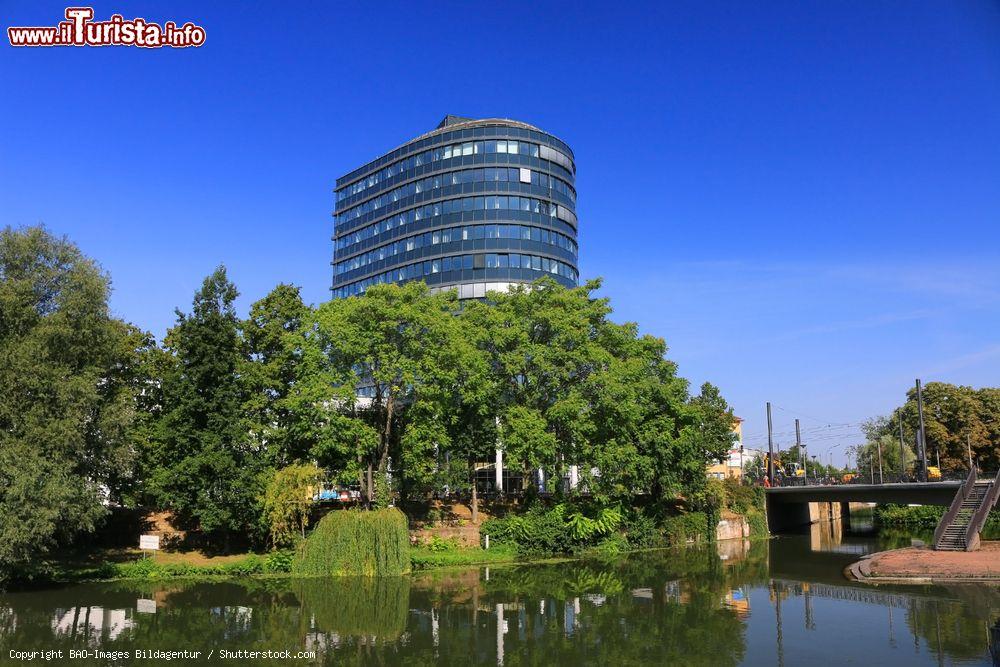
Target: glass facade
<point>474,205</point>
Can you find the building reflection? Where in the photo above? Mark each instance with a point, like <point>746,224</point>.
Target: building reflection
<point>94,625</point>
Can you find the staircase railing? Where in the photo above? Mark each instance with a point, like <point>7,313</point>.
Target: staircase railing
<point>979,518</point>
<point>956,504</point>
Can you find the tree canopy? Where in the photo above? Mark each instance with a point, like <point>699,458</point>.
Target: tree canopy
<point>956,418</point>
<point>400,392</point>
<point>68,371</point>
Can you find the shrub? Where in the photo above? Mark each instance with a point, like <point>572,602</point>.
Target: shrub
<point>741,498</point>
<point>356,542</point>
<point>609,547</point>
<point>437,544</point>
<point>288,501</point>
<point>422,558</point>
<point>687,527</point>
<point>641,530</point>
<point>279,562</point>
<point>538,532</point>
<point>923,516</point>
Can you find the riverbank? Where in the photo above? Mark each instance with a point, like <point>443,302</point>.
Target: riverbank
<point>923,565</point>
<point>131,565</point>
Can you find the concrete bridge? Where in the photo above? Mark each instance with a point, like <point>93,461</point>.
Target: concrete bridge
<point>792,507</point>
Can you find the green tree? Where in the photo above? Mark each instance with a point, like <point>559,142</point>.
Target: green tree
<point>204,468</point>
<point>288,501</point>
<point>270,370</point>
<point>574,388</point>
<point>400,346</point>
<point>956,418</point>
<point>68,400</point>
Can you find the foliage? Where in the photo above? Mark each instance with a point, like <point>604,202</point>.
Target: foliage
<point>405,345</point>
<point>200,426</point>
<point>424,557</point>
<point>277,562</point>
<point>356,542</point>
<point>437,544</point>
<point>577,528</point>
<point>571,386</point>
<point>70,378</point>
<point>687,527</point>
<point>955,417</point>
<point>270,368</point>
<point>711,499</point>
<point>202,467</point>
<point>920,516</point>
<point>583,528</point>
<point>884,448</point>
<point>537,532</point>
<point>612,546</point>
<point>288,502</point>
<point>641,529</point>
<point>357,606</point>
<point>749,502</point>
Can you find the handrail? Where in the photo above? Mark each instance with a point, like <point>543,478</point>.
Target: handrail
<point>956,504</point>
<point>979,518</point>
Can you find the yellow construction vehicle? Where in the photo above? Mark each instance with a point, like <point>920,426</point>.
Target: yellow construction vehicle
<point>787,470</point>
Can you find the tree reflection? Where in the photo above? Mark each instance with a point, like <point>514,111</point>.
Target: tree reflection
<point>687,606</point>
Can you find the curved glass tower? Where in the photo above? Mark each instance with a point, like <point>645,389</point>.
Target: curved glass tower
<point>474,205</point>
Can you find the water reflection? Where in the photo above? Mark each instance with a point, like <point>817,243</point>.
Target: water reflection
<point>783,601</point>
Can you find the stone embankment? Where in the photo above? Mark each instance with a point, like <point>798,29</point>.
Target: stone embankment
<point>923,565</point>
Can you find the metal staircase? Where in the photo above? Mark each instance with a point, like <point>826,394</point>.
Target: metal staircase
<point>960,526</point>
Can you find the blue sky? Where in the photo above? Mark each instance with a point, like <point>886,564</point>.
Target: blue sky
<point>803,198</point>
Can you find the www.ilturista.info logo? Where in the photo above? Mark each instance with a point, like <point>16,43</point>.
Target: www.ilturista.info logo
<point>79,29</point>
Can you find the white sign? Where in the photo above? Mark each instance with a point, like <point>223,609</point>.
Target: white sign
<point>145,606</point>
<point>149,542</point>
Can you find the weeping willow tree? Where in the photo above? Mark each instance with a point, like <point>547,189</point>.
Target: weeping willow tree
<point>356,543</point>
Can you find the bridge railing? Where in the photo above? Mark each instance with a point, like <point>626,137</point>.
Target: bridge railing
<point>956,475</point>
<point>956,504</point>
<point>979,518</point>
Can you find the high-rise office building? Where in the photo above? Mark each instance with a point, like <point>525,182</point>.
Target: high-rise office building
<point>474,205</point>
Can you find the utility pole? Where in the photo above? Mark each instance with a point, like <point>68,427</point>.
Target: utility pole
<point>968,446</point>
<point>881,479</point>
<point>798,443</point>
<point>770,448</point>
<point>922,437</point>
<point>902,449</point>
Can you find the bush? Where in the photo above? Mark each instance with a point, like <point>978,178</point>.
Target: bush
<point>743,499</point>
<point>747,501</point>
<point>356,542</point>
<point>687,527</point>
<point>279,562</point>
<point>538,532</point>
<point>922,516</point>
<point>609,547</point>
<point>579,529</point>
<point>436,544</point>
<point>641,530</point>
<point>422,558</point>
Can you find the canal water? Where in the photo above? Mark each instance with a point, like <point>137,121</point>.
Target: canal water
<point>782,601</point>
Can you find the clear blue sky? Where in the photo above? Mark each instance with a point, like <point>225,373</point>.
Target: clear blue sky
<point>803,198</point>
